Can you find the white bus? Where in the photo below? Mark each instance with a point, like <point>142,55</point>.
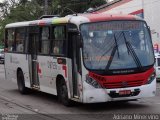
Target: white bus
<point>87,58</point>
<point>157,65</point>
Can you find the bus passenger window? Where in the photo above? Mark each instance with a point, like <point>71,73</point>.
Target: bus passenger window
<point>44,41</point>
<point>20,38</point>
<point>10,40</point>
<point>59,42</point>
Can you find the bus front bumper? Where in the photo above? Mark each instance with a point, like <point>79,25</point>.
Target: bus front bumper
<point>97,95</point>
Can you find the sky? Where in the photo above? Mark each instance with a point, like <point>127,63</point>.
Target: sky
<point>2,0</point>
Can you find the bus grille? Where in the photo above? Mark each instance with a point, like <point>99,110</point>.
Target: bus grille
<point>123,84</point>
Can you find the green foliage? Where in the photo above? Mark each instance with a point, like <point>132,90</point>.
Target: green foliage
<point>78,6</point>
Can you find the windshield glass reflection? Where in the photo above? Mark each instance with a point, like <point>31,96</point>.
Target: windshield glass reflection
<point>116,45</point>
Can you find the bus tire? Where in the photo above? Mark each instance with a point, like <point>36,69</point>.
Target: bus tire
<point>21,83</point>
<point>62,93</point>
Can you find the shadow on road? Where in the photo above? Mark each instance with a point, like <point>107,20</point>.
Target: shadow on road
<point>86,108</point>
<point>97,107</point>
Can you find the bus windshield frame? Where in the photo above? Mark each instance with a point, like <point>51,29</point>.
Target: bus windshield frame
<point>117,45</point>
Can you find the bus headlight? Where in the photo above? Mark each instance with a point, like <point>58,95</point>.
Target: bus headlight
<point>92,82</point>
<point>152,77</point>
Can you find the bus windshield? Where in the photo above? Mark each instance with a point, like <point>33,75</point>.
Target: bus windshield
<point>116,45</point>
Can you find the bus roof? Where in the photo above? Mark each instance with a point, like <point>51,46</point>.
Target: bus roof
<point>107,17</point>
<point>75,19</point>
<point>17,24</point>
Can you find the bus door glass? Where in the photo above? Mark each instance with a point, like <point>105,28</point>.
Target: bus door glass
<point>33,43</point>
<point>74,54</point>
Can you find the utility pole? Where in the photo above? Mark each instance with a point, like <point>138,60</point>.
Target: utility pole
<point>46,7</point>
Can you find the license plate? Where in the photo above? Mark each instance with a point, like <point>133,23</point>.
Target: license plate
<point>125,92</point>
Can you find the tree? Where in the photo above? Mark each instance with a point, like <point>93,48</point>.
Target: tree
<point>16,11</point>
<point>78,6</point>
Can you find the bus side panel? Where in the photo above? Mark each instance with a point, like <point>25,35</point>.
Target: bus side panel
<point>64,70</point>
<point>14,61</point>
<point>59,69</point>
<point>9,71</point>
<point>49,69</point>
<point>47,84</point>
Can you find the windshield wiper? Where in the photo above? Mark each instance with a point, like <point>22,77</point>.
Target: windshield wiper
<point>131,50</point>
<point>116,45</point>
<point>113,53</point>
<point>111,47</point>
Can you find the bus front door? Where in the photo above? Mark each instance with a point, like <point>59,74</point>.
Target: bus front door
<point>33,64</point>
<point>76,64</point>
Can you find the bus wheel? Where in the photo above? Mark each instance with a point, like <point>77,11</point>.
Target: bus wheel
<point>20,82</point>
<point>63,93</point>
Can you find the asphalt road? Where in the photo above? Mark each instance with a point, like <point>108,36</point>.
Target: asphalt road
<point>42,106</point>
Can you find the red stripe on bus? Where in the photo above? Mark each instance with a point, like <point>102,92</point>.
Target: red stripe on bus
<point>137,12</point>
<point>42,23</point>
<point>64,67</point>
<point>116,81</point>
<point>106,17</point>
<point>39,69</point>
